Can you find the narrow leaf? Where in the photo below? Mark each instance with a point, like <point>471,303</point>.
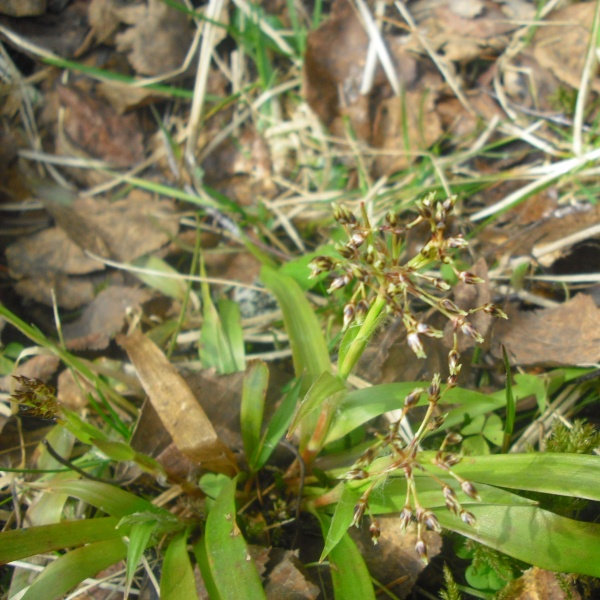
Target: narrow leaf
<point>277,427</point>
<point>232,328</point>
<point>349,574</point>
<point>139,537</point>
<point>177,580</point>
<point>342,518</point>
<point>309,349</point>
<point>21,543</point>
<point>509,424</point>
<point>72,568</point>
<point>254,391</point>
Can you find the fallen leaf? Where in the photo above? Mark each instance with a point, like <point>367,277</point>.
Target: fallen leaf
<point>70,292</point>
<point>22,8</point>
<point>103,318</point>
<point>566,335</point>
<point>95,128</point>
<point>158,41</point>
<point>560,46</point>
<point>287,580</point>
<point>393,559</point>
<point>72,393</point>
<point>180,412</point>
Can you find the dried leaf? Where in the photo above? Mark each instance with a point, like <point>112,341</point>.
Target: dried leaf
<point>566,335</point>
<point>158,41</point>
<point>103,318</point>
<point>394,559</point>
<point>181,414</point>
<point>287,580</point>
<point>22,8</point>
<point>96,128</point>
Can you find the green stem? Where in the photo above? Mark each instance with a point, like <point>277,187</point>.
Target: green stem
<point>366,331</point>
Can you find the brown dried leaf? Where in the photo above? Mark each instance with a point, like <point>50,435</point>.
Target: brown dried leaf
<point>72,393</point>
<point>47,252</point>
<point>70,292</point>
<point>561,44</point>
<point>287,580</point>
<point>394,559</point>
<point>94,127</point>
<point>22,8</point>
<point>158,41</point>
<point>566,335</point>
<point>103,318</point>
<point>180,412</point>
<point>132,226</point>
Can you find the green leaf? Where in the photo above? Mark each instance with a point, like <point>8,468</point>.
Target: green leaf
<point>277,427</point>
<point>232,328</point>
<point>533,535</point>
<point>360,406</point>
<point>349,574</point>
<point>217,348</point>
<point>108,498</point>
<point>72,568</point>
<point>551,473</point>
<point>254,391</point>
<point>177,581</point>
<point>323,395</point>
<point>309,349</point>
<point>511,405</point>
<point>139,536</point>
<point>229,565</point>
<point>21,543</point>
<point>173,287</point>
<point>341,521</point>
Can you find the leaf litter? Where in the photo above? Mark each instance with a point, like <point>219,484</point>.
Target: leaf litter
<point>466,77</point>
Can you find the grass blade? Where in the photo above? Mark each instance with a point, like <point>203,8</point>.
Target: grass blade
<point>254,391</point>
<point>21,543</point>
<point>309,349</point>
<point>177,580</point>
<point>349,574</point>
<point>138,541</point>
<point>511,405</point>
<point>72,568</point>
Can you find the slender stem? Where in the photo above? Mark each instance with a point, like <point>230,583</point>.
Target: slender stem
<point>367,329</point>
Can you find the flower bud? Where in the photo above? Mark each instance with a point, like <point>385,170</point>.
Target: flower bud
<point>413,398</point>
<point>421,550</point>
<point>434,388</point>
<point>468,277</point>
<point>375,531</point>
<point>494,311</point>
<point>415,344</point>
<point>339,282</point>
<point>469,330</point>
<point>431,522</point>
<point>362,307</point>
<point>457,242</point>
<point>469,489</point>
<point>349,312</point>
<point>468,517</point>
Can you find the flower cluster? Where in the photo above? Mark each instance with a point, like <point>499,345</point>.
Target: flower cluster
<point>374,262</point>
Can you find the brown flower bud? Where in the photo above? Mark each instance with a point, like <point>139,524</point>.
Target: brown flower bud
<point>413,398</point>
<point>339,282</point>
<point>457,242</point>
<point>421,550</point>
<point>468,277</point>
<point>468,517</point>
<point>405,517</point>
<point>494,311</point>
<point>434,388</point>
<point>431,522</point>
<point>374,530</point>
<point>469,489</point>
<point>349,311</point>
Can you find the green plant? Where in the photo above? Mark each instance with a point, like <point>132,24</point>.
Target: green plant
<point>425,475</point>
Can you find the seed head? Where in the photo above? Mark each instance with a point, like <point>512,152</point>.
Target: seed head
<point>374,530</point>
